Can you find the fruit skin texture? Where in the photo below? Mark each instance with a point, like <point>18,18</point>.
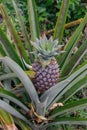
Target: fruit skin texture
<point>45,77</point>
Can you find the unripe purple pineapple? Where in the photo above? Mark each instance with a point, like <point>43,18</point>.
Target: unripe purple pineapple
<point>45,65</point>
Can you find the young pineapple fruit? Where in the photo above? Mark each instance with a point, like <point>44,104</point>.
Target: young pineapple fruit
<point>45,65</point>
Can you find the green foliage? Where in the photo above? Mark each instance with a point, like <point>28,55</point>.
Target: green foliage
<point>33,19</point>
<point>31,110</point>
<point>9,48</point>
<point>7,120</point>
<point>48,11</point>
<point>59,28</point>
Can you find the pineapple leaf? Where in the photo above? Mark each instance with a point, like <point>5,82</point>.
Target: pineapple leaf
<point>15,36</point>
<point>9,48</point>
<point>23,77</point>
<point>78,61</point>
<point>34,27</point>
<point>30,73</point>
<point>23,125</point>
<point>7,76</point>
<point>82,83</point>
<point>11,97</point>
<point>69,107</point>
<point>72,43</point>
<point>5,106</point>
<point>80,66</point>
<point>24,31</point>
<point>67,120</point>
<point>59,28</point>
<point>74,59</point>
<point>7,120</point>
<point>2,51</point>
<point>5,117</point>
<point>51,93</point>
<point>72,83</point>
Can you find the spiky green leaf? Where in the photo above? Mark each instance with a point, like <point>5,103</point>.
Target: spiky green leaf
<point>34,27</point>
<point>71,44</point>
<point>69,107</point>
<point>71,64</point>
<point>11,97</point>
<point>2,51</point>
<point>14,34</point>
<point>10,50</point>
<point>5,106</point>
<point>23,28</point>
<point>23,77</point>
<point>59,28</point>
<point>23,125</point>
<point>67,120</point>
<point>82,83</point>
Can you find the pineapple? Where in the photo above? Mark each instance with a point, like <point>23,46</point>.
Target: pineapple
<point>45,65</point>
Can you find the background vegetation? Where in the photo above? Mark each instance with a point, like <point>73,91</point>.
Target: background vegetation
<point>20,103</point>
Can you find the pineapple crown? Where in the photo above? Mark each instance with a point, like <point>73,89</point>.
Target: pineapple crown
<point>46,48</point>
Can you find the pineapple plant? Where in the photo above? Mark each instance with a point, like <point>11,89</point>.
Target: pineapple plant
<point>45,65</point>
<point>21,107</point>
